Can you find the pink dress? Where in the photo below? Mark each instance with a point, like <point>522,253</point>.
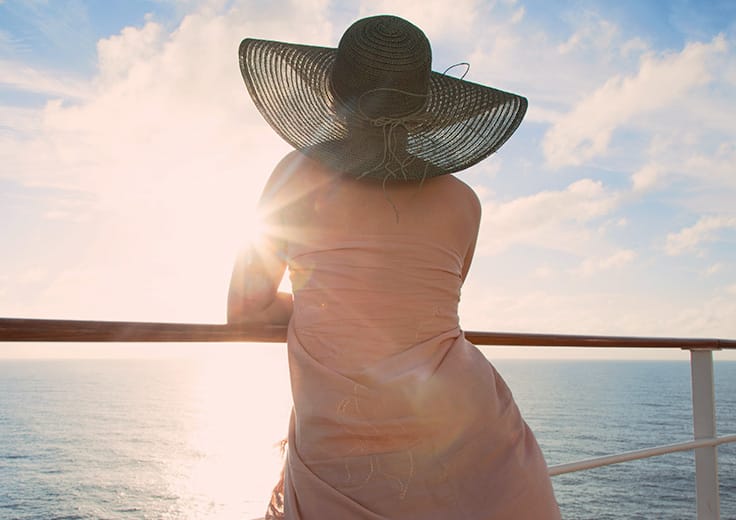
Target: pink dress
<point>396,415</point>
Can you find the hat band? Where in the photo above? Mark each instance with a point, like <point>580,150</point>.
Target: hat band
<point>377,102</point>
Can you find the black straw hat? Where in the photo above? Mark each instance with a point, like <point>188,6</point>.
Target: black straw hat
<point>373,107</point>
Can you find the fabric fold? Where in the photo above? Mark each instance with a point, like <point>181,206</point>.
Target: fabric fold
<point>396,415</point>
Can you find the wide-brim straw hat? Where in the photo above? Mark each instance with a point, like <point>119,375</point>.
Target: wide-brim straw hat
<point>373,107</point>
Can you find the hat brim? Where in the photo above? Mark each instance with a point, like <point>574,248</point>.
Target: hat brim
<point>461,123</point>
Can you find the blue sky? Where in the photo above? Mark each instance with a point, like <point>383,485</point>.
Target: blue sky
<point>131,157</point>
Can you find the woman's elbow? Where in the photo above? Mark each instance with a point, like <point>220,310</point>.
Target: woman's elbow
<point>245,308</point>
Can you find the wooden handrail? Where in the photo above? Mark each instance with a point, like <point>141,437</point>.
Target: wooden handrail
<point>44,330</point>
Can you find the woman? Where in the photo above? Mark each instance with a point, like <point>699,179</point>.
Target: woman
<point>395,414</point>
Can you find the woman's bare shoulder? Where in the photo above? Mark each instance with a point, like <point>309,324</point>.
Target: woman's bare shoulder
<point>296,170</point>
<point>458,194</point>
<point>290,176</point>
<point>459,185</point>
<point>284,172</point>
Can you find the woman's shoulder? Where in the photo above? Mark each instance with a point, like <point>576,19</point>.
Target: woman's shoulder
<point>287,168</point>
<point>296,170</point>
<point>458,186</point>
<point>291,172</point>
<point>457,193</point>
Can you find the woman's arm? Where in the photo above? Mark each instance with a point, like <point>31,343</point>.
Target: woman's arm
<point>474,209</point>
<point>253,296</point>
<point>258,270</point>
<point>278,312</point>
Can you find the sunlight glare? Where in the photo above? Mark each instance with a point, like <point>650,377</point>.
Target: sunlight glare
<point>236,430</point>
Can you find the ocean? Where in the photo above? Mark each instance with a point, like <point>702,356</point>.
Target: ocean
<point>196,438</point>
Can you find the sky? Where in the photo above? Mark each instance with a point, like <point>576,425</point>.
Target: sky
<point>131,158</point>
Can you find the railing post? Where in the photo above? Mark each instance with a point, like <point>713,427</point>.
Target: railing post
<point>704,426</point>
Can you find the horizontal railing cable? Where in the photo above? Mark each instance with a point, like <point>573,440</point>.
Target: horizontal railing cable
<point>626,456</point>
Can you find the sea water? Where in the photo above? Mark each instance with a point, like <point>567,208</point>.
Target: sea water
<point>197,438</point>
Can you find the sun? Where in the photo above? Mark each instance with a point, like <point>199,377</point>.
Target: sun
<point>255,232</point>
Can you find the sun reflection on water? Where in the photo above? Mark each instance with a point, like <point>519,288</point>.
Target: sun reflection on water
<point>241,403</point>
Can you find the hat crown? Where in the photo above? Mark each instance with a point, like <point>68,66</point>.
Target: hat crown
<point>382,67</point>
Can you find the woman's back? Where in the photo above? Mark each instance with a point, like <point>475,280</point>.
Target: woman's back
<point>374,268</point>
<point>395,414</point>
<point>314,199</point>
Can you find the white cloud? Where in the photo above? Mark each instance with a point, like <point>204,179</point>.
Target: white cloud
<point>633,46</point>
<point>597,33</point>
<point>439,19</point>
<point>554,69</point>
<point>544,272</point>
<point>7,42</point>
<point>17,121</point>
<point>714,268</point>
<point>19,76</point>
<point>646,177</point>
<point>164,109</point>
<point>518,15</point>
<point>694,161</point>
<point>711,317</point>
<point>704,230</point>
<point>580,309</point>
<point>586,130</point>
<point>32,275</point>
<point>716,167</point>
<point>551,219</point>
<point>592,266</point>
<point>122,56</point>
<point>169,154</point>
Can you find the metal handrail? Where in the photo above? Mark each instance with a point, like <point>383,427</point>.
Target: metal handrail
<point>705,440</point>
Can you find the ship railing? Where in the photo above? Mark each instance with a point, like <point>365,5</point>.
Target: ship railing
<point>705,439</point>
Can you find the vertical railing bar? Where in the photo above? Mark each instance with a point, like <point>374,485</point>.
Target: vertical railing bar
<point>707,498</point>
